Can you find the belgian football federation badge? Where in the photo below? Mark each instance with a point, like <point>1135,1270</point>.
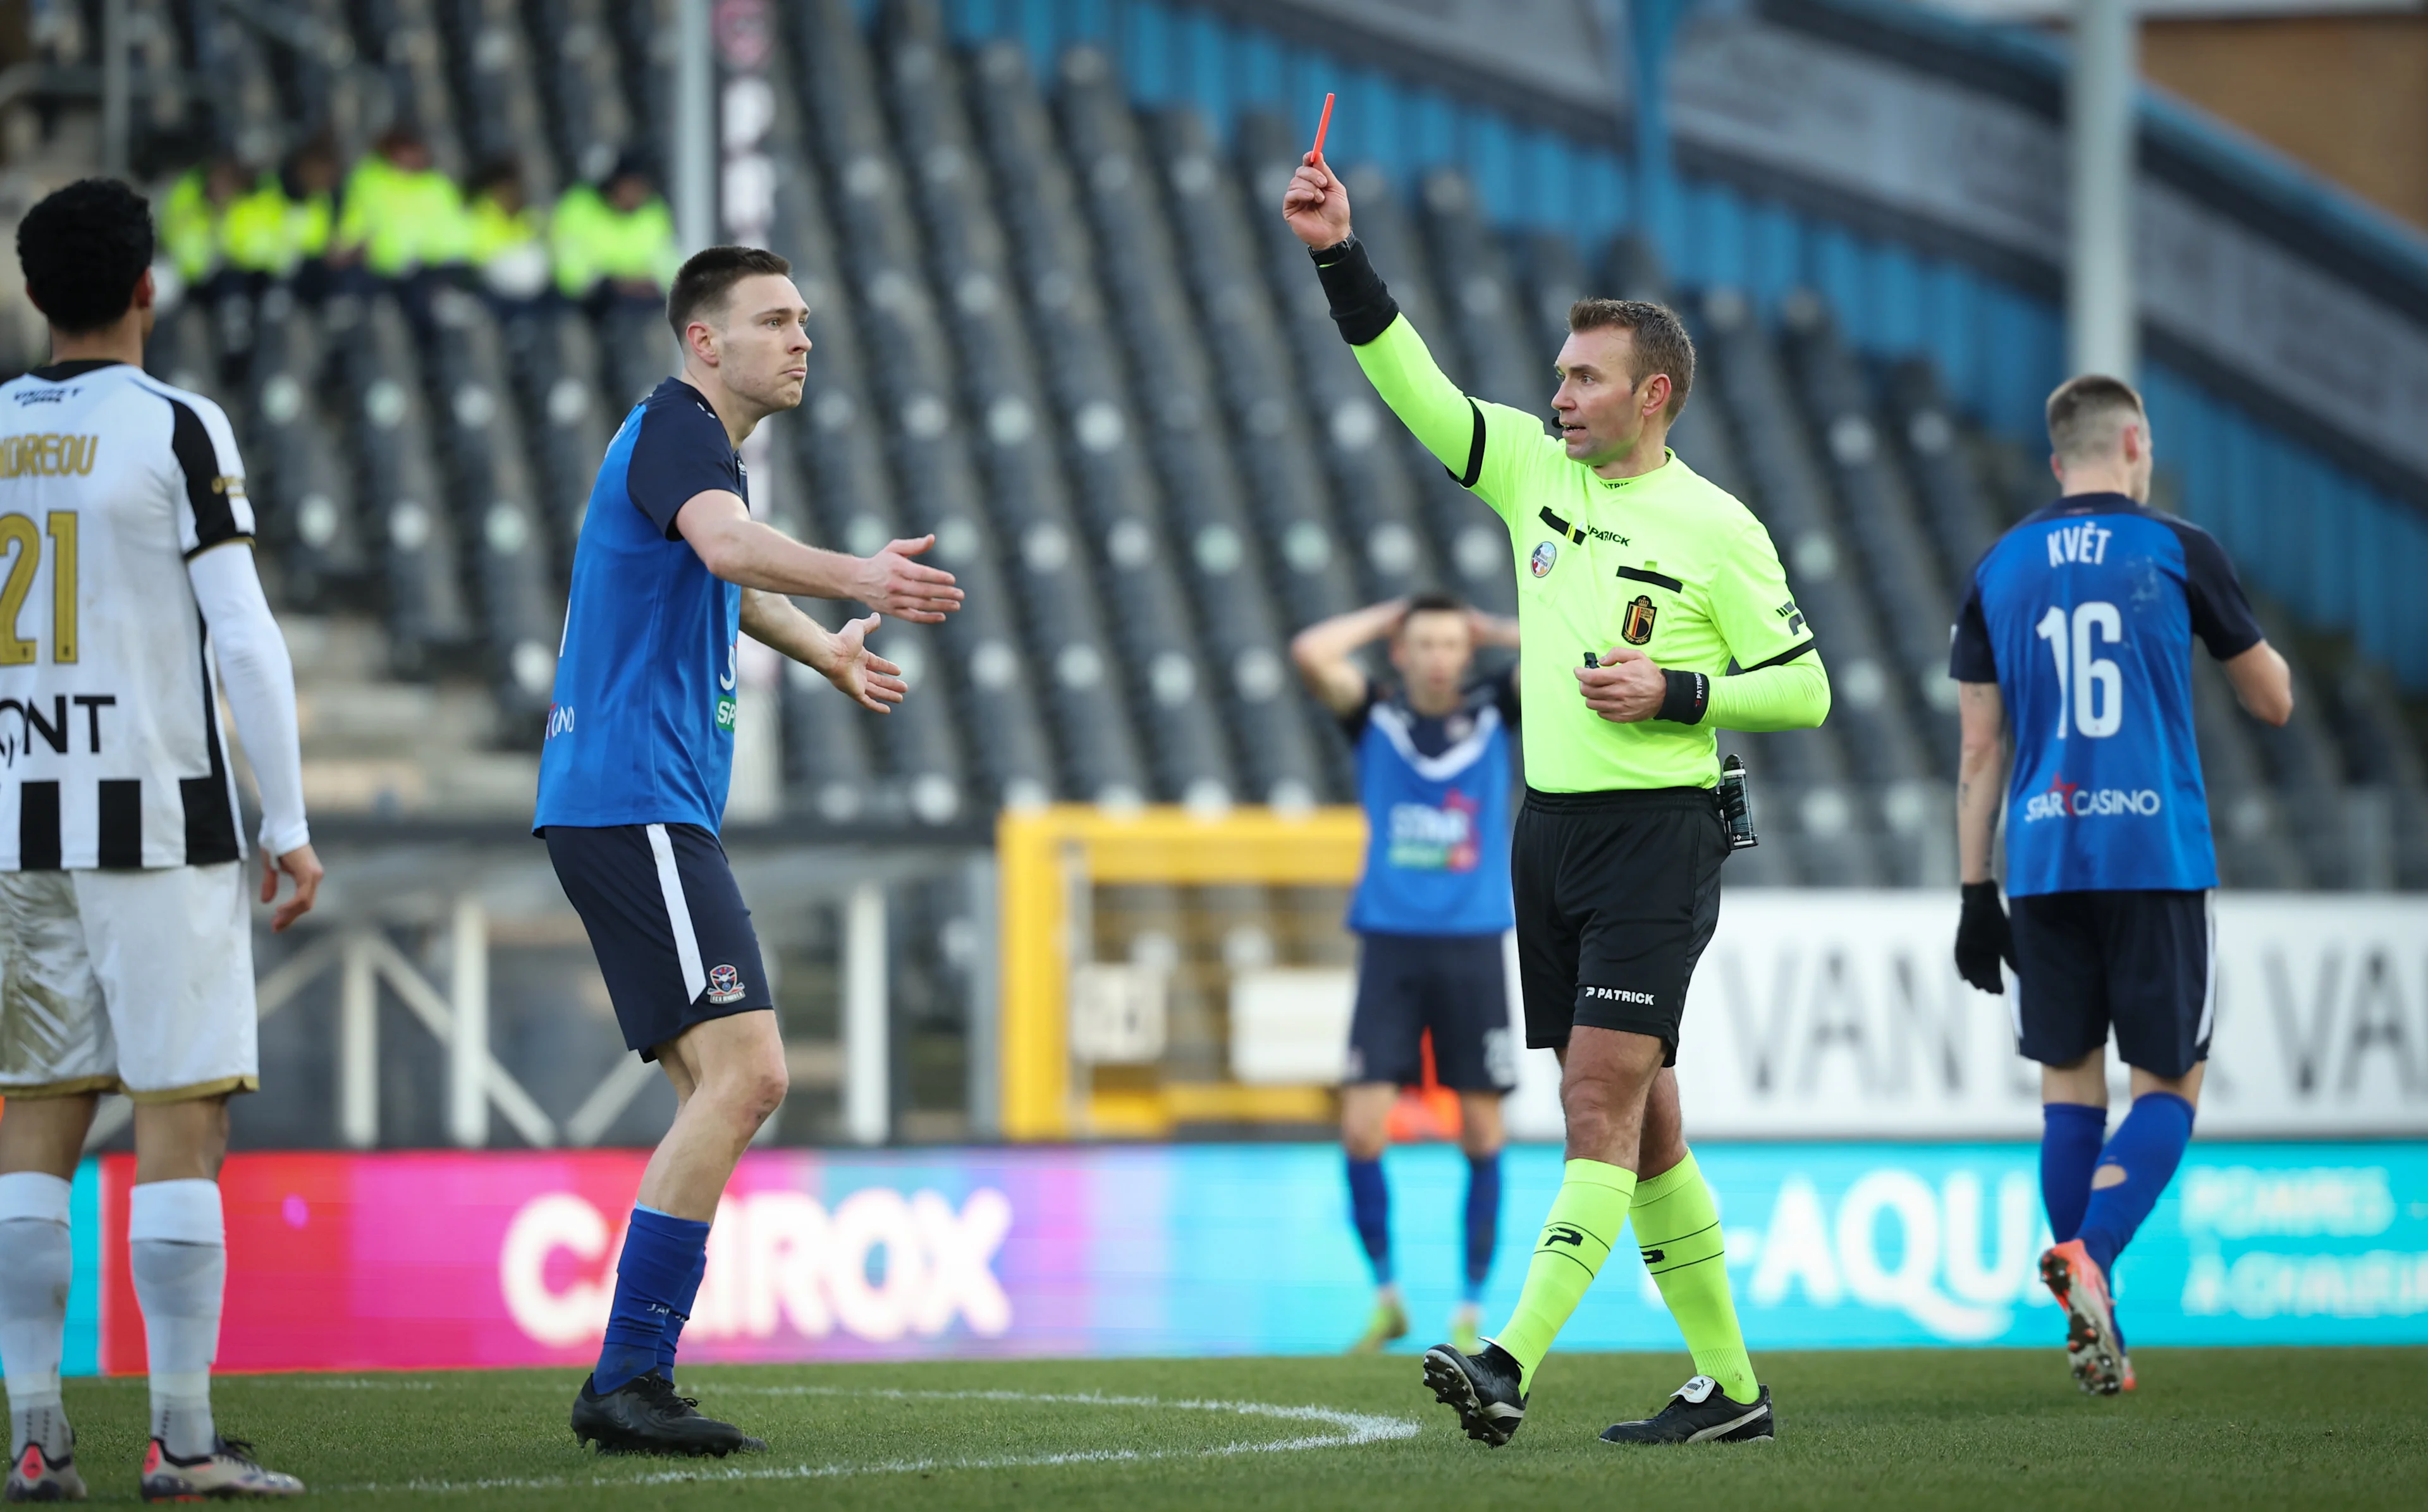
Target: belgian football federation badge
<point>1638,625</point>
<point>1546,553</point>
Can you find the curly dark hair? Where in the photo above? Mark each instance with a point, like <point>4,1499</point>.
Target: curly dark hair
<point>83,250</point>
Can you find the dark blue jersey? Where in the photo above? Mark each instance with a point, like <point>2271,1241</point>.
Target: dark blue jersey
<point>2084,616</point>
<point>1437,794</point>
<point>641,731</point>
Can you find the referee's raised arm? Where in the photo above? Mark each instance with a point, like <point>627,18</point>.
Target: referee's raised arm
<point>1450,425</point>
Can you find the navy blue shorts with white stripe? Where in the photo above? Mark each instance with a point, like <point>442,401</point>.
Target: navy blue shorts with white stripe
<point>2140,963</point>
<point>667,923</point>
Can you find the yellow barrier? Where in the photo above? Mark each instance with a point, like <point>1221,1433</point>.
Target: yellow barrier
<point>1042,855</point>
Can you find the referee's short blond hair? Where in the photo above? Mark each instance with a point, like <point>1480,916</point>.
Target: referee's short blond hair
<point>2086,414</point>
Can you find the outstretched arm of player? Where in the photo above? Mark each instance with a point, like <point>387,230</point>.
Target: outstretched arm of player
<point>1323,651</point>
<point>753,554</point>
<point>841,657</point>
<point>259,679</point>
<point>1475,442</point>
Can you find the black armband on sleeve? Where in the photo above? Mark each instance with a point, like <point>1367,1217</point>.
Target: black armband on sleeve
<point>1362,306</point>
<point>1689,694</point>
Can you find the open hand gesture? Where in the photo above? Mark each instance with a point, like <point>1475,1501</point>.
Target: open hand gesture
<point>865,677</point>
<point>891,583</point>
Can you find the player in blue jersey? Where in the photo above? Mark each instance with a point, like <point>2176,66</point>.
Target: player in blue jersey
<point>1435,774</point>
<point>2076,635</point>
<point>669,570</point>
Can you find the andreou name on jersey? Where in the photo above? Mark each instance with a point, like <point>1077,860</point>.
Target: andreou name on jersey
<point>2071,800</point>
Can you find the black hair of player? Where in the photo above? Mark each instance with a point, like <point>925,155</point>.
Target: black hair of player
<point>1661,343</point>
<point>1431,601</point>
<point>706,282</point>
<point>83,249</point>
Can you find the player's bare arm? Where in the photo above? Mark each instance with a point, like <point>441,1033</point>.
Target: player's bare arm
<point>1323,650</point>
<point>755,555</point>
<point>1980,775</point>
<point>2263,683</point>
<point>841,657</point>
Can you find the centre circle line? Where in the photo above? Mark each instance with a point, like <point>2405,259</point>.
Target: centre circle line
<point>1349,1430</point>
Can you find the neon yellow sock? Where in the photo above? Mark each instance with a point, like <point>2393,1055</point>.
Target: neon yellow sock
<point>1584,1222</point>
<point>1677,1228</point>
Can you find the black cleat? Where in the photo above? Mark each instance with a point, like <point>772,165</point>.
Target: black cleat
<point>1700,1413</point>
<point>644,1416</point>
<point>1481,1390</point>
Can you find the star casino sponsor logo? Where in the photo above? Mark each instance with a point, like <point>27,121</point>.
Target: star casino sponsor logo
<point>2072,799</point>
<point>560,720</point>
<point>1425,839</point>
<point>1546,553</point>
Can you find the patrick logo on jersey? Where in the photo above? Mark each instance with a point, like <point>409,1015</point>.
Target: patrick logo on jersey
<point>2072,799</point>
<point>1426,838</point>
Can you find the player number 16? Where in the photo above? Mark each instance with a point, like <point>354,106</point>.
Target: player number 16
<point>2090,689</point>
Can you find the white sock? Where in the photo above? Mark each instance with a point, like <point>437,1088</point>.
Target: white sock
<point>176,1248</point>
<point>35,1265</point>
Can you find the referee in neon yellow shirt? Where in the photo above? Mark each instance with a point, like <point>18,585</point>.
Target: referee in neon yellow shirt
<point>1639,583</point>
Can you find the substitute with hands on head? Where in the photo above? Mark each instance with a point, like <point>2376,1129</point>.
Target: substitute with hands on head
<point>1433,772</point>
<point>1627,558</point>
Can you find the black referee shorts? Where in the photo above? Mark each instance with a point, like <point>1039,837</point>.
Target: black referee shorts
<point>667,923</point>
<point>2141,963</point>
<point>1617,894</point>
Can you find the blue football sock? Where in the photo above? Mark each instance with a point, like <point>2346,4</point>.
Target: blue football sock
<point>679,1315</point>
<point>2070,1137</point>
<point>661,1254</point>
<point>1482,1221</point>
<point>1370,1206</point>
<point>2148,1146</point>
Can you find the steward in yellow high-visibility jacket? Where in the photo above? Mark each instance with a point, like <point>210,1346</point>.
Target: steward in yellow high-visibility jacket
<point>616,238</point>
<point>505,237</point>
<point>399,214</point>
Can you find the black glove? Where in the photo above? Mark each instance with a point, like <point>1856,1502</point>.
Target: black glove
<point>1983,938</point>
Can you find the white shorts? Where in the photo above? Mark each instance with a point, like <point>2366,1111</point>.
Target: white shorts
<point>133,982</point>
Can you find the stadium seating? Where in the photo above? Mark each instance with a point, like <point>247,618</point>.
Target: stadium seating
<point>1067,334</point>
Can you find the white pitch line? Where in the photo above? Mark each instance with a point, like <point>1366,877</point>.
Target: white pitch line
<point>1353,1428</point>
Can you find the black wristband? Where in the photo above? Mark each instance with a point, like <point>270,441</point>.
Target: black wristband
<point>1362,306</point>
<point>1689,694</point>
<point>1980,892</point>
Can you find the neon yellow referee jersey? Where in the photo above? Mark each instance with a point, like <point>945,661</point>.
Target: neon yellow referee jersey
<point>1668,562</point>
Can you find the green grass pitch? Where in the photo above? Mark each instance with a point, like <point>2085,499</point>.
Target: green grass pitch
<point>1936,1428</point>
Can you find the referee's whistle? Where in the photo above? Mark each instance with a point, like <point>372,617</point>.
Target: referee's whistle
<point>1592,661</point>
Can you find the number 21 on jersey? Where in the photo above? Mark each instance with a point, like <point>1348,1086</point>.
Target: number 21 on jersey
<point>23,544</point>
<point>2090,687</point>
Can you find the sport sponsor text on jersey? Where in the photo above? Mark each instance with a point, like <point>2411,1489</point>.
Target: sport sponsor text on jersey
<point>1426,838</point>
<point>2071,800</point>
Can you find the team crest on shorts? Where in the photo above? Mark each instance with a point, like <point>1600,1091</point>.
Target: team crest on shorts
<point>1637,628</point>
<point>724,985</point>
<point>1546,553</point>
